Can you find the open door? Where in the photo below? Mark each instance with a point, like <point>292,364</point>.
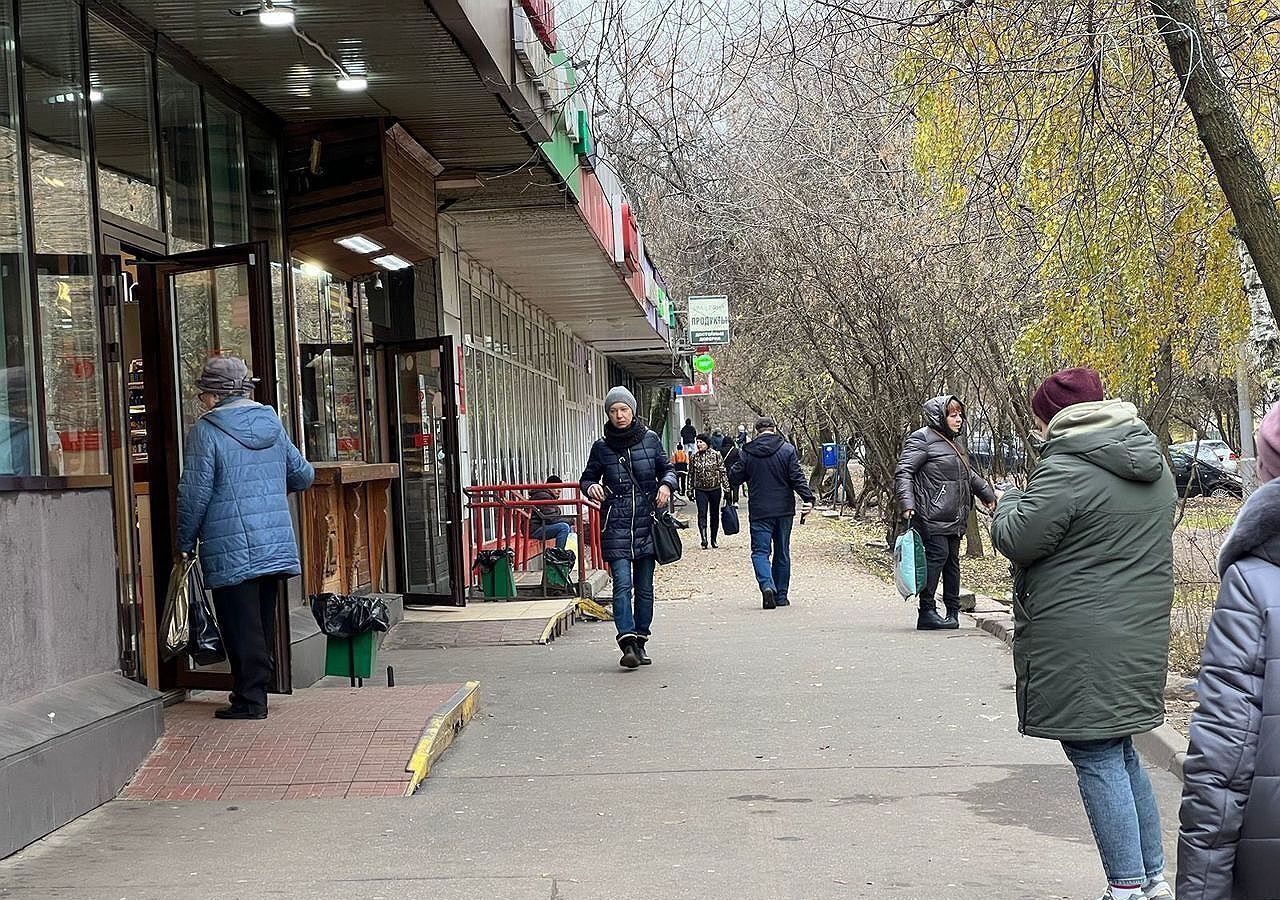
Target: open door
<point>428,497</point>
<point>195,306</point>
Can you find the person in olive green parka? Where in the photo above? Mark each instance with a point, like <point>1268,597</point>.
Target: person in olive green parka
<point>1091,540</point>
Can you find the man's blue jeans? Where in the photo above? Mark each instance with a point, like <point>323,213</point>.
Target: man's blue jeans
<point>1121,807</point>
<point>559,531</point>
<point>633,578</point>
<point>773,537</point>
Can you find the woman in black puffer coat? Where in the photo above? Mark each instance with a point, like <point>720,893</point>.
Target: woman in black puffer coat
<point>936,486</point>
<point>629,473</point>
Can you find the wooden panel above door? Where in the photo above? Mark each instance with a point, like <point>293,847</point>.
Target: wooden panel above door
<point>362,177</point>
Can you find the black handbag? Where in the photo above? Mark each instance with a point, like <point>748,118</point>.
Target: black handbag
<point>667,548</point>
<point>729,523</point>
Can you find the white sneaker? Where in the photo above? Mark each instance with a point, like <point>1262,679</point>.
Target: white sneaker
<point>1112,895</point>
<point>1158,890</point>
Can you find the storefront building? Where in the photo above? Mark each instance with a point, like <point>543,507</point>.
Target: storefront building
<point>179,181</point>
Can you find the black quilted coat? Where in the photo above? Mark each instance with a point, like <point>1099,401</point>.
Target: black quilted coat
<point>626,532</point>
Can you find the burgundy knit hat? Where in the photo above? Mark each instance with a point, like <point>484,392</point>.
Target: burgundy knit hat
<point>1066,388</point>
<point>1268,444</point>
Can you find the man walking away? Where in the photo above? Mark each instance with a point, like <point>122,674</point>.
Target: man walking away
<point>771,470</point>
<point>1092,542</point>
<point>688,434</point>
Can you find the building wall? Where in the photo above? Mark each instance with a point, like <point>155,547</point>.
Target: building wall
<point>58,615</point>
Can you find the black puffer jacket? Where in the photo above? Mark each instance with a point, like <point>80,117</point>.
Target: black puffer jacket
<point>1229,847</point>
<point>627,532</point>
<point>933,479</point>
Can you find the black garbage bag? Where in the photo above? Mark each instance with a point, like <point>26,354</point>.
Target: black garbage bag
<point>557,570</point>
<point>486,560</point>
<point>206,640</point>
<point>344,615</point>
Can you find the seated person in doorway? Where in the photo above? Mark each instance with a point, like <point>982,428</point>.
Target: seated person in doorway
<point>548,522</point>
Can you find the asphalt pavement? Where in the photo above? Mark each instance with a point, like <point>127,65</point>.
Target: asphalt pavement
<point>826,750</point>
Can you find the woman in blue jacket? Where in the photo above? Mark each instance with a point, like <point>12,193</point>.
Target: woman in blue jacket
<point>628,471</point>
<point>238,469</point>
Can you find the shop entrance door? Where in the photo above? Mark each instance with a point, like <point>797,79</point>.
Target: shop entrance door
<point>428,507</point>
<point>190,307</point>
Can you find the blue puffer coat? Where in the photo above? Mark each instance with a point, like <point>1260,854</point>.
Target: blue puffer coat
<point>239,468</point>
<point>627,532</point>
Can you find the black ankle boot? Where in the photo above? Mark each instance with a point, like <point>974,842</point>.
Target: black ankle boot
<point>929,620</point>
<point>952,619</point>
<point>703,532</point>
<point>630,658</point>
<point>640,651</point>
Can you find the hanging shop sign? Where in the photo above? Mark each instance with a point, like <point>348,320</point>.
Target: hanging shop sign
<point>708,320</point>
<point>704,364</point>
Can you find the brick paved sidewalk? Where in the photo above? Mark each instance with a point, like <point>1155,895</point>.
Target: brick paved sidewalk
<point>317,743</point>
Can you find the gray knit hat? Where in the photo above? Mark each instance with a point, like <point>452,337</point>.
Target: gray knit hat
<point>620,394</point>
<point>225,376</point>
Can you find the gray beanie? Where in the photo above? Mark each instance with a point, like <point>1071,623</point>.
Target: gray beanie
<point>225,376</point>
<point>620,394</point>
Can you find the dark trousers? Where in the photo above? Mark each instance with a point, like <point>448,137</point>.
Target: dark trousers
<point>247,620</point>
<point>709,502</point>
<point>942,551</point>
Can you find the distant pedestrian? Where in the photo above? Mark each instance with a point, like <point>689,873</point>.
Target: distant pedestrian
<point>680,462</point>
<point>732,456</point>
<point>717,439</point>
<point>1092,542</point>
<point>688,434</point>
<point>936,485</point>
<point>628,471</point>
<point>1229,844</point>
<point>238,469</point>
<point>710,480</point>
<point>742,435</point>
<point>770,468</point>
<point>548,522</point>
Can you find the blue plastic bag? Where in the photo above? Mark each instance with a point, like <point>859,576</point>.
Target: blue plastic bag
<point>910,567</point>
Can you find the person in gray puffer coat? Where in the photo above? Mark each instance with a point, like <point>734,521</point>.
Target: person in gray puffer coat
<point>936,486</point>
<point>1229,843</point>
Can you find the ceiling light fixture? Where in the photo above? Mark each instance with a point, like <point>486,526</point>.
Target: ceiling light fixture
<point>352,83</point>
<point>392,262</point>
<point>273,16</point>
<point>358,243</point>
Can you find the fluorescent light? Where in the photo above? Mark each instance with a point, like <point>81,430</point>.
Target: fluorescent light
<point>358,243</point>
<point>273,16</point>
<point>352,83</point>
<point>95,95</point>
<point>392,262</point>
<point>311,270</point>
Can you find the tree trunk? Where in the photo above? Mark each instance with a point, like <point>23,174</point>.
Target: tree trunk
<point>973,537</point>
<point>1263,343</point>
<point>1235,162</point>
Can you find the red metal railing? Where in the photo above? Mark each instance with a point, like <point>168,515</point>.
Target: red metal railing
<point>501,518</point>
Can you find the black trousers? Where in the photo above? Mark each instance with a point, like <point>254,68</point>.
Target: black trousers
<point>247,620</point>
<point>943,554</point>
<point>709,502</point>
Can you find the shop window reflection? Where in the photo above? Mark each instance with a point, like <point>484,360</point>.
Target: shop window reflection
<point>326,344</point>
<point>57,142</point>
<point>182,139</point>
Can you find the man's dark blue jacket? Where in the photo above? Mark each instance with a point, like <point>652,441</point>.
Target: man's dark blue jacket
<point>771,470</point>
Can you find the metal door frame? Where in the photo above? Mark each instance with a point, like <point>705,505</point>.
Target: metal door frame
<point>443,345</point>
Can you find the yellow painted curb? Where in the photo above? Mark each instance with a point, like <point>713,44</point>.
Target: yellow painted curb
<point>440,732</point>
<point>548,633</point>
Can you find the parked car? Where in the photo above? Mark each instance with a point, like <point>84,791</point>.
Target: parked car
<point>1211,451</point>
<point>1201,478</point>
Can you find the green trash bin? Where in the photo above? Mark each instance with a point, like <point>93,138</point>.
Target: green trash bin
<point>497,574</point>
<point>351,657</point>
<point>557,571</point>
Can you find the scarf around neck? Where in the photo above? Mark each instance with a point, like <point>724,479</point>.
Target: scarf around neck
<point>620,439</point>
